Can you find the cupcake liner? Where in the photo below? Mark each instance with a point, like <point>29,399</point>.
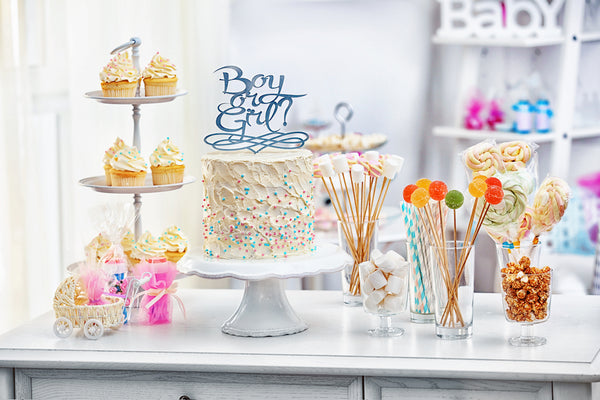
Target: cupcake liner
<point>127,178</point>
<point>174,256</point>
<point>167,175</point>
<point>119,89</point>
<point>160,86</point>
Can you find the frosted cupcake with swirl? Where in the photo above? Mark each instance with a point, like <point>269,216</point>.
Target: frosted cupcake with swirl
<point>119,78</point>
<point>166,163</point>
<point>160,77</point>
<point>128,168</point>
<point>175,243</point>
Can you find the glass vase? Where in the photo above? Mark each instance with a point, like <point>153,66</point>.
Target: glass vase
<point>420,289</point>
<point>453,285</point>
<point>359,239</point>
<point>384,292</point>
<point>526,291</point>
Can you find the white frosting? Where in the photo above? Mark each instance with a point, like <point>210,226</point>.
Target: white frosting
<point>258,205</point>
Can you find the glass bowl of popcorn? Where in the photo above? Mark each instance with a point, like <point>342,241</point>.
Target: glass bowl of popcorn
<point>526,295</point>
<point>384,289</point>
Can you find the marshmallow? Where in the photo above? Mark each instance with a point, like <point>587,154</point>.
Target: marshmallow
<point>372,156</point>
<point>366,268</point>
<point>340,164</point>
<point>326,168</point>
<point>353,157</point>
<point>377,296</point>
<point>394,304</point>
<point>395,285</point>
<point>357,172</point>
<point>390,168</point>
<point>398,159</point>
<point>366,288</point>
<point>401,271</point>
<point>377,279</point>
<point>386,263</point>
<point>377,258</point>
<point>371,303</point>
<point>375,254</point>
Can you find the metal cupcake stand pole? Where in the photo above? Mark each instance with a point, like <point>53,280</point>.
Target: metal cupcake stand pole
<point>98,183</point>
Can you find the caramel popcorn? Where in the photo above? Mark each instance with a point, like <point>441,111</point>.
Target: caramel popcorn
<point>526,291</point>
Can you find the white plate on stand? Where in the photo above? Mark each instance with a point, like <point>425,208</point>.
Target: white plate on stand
<point>97,95</point>
<point>98,183</point>
<point>265,309</point>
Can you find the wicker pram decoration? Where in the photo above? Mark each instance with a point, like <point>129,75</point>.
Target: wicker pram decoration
<point>72,311</point>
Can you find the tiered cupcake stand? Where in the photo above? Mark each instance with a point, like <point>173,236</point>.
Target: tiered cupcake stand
<point>98,183</point>
<point>265,309</point>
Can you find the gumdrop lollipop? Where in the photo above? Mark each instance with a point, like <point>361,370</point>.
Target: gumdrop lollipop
<point>493,181</point>
<point>438,190</point>
<point>424,183</point>
<point>408,191</point>
<point>494,194</point>
<point>477,188</point>
<point>454,199</point>
<point>420,197</point>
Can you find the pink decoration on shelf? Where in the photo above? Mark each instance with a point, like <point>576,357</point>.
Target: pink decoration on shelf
<point>473,120</point>
<point>496,115</point>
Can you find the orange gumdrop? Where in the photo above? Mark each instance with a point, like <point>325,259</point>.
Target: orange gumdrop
<point>477,188</point>
<point>424,183</point>
<point>420,197</point>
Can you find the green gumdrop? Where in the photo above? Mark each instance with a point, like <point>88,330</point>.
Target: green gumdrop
<point>454,199</point>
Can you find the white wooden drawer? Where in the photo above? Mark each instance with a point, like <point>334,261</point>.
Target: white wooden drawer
<point>446,389</point>
<point>102,384</point>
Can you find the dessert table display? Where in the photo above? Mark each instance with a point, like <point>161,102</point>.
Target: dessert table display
<point>334,359</point>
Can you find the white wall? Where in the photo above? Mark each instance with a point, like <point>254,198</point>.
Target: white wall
<point>374,55</point>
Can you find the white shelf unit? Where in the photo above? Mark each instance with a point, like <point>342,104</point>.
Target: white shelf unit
<point>566,85</point>
<point>589,37</point>
<point>500,41</point>
<point>479,135</point>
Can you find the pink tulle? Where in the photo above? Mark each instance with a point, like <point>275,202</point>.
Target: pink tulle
<point>162,275</point>
<point>94,282</point>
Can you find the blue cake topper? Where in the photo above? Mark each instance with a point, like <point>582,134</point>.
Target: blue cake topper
<point>255,102</point>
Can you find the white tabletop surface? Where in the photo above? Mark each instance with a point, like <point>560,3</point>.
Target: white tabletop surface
<point>336,343</point>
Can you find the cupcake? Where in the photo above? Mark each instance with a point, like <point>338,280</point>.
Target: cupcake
<point>166,163</point>
<point>108,155</point>
<point>175,243</point>
<point>160,78</point>
<point>97,248</point>
<point>119,78</point>
<point>147,247</point>
<point>128,168</point>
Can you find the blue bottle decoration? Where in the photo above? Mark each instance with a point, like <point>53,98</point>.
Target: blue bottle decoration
<point>543,113</point>
<point>523,116</point>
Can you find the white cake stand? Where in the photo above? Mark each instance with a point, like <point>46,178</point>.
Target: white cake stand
<point>264,309</point>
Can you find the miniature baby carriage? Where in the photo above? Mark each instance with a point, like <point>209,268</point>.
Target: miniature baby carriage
<point>72,311</point>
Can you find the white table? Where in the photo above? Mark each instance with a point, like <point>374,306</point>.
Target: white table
<point>334,358</point>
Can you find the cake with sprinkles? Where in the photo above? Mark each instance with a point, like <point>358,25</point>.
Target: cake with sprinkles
<point>258,206</point>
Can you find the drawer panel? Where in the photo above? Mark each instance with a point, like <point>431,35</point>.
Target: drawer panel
<point>92,384</point>
<point>463,389</point>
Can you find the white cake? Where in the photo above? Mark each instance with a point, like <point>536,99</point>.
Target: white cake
<point>258,206</point>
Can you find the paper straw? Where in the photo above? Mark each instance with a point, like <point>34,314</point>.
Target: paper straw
<point>414,236</point>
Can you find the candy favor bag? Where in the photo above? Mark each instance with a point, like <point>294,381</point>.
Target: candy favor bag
<point>157,298</point>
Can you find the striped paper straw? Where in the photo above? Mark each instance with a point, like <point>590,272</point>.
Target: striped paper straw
<point>417,250</point>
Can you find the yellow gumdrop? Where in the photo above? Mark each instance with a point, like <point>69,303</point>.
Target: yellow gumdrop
<point>424,183</point>
<point>478,177</point>
<point>477,188</point>
<point>419,197</point>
